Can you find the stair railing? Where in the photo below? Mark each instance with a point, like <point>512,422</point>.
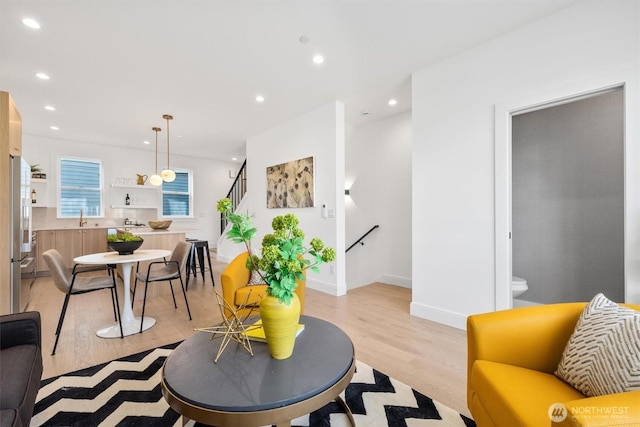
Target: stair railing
<point>360,240</point>
<point>236,193</point>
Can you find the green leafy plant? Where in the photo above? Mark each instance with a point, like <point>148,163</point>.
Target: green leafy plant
<point>124,237</point>
<point>36,168</point>
<point>284,255</point>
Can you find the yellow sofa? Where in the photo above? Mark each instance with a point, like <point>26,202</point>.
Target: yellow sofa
<point>235,279</point>
<point>512,355</point>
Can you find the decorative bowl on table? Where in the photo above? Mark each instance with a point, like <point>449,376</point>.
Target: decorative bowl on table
<point>125,248</point>
<point>160,225</point>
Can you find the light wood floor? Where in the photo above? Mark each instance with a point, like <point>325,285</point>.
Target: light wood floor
<point>425,355</point>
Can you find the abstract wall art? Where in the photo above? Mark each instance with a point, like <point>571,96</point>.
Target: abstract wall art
<point>290,185</point>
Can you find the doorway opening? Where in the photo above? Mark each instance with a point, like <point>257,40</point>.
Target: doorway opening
<point>567,199</point>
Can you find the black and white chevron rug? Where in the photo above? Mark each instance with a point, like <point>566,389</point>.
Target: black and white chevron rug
<point>126,392</point>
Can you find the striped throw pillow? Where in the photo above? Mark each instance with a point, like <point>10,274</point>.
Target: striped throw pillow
<point>603,353</point>
<point>255,278</point>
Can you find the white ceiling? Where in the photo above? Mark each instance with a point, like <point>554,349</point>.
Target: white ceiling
<point>117,66</point>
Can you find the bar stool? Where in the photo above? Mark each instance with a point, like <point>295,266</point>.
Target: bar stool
<point>198,247</point>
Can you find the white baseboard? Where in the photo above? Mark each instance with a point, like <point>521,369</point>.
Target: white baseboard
<point>449,318</point>
<point>223,258</point>
<point>327,288</point>
<point>395,280</point>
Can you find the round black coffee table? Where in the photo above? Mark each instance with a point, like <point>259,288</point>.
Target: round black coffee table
<point>244,390</point>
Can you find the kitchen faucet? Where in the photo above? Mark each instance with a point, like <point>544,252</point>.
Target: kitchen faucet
<point>82,223</point>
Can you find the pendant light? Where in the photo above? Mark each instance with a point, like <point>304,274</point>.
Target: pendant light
<point>168,175</point>
<point>155,178</point>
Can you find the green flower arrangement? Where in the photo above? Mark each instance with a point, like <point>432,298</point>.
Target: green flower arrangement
<point>124,237</point>
<point>283,258</point>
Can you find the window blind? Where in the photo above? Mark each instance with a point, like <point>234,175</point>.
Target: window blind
<point>80,188</point>
<point>176,196</point>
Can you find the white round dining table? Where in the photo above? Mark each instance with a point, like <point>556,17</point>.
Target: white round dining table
<point>130,323</point>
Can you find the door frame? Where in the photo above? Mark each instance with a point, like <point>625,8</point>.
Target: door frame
<point>504,111</point>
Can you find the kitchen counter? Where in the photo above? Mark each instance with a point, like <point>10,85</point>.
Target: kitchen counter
<point>148,231</point>
<point>141,231</point>
<point>86,227</point>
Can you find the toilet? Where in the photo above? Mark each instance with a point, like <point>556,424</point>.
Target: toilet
<point>518,286</point>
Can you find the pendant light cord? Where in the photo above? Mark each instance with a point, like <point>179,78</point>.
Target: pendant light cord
<point>168,117</point>
<point>156,130</point>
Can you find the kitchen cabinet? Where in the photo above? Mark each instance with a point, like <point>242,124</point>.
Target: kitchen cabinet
<point>45,240</point>
<point>94,241</point>
<point>70,243</point>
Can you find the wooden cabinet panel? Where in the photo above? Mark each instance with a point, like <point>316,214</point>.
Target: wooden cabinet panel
<point>46,239</point>
<point>94,241</point>
<point>70,244</point>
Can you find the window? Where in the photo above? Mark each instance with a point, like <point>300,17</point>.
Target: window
<point>80,188</point>
<point>176,196</point>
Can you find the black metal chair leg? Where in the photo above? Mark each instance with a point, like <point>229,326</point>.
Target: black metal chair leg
<point>117,305</point>
<point>192,255</point>
<point>172,294</point>
<point>187,271</point>
<point>113,303</point>
<point>144,302</point>
<point>60,321</point>
<point>210,268</point>
<point>185,297</point>
<point>200,251</point>
<point>190,265</point>
<point>135,285</point>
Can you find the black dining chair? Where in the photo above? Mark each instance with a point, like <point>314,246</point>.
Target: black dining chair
<point>162,271</point>
<point>71,283</point>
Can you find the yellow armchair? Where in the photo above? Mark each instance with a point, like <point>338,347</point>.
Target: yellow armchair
<point>512,355</point>
<point>235,279</point>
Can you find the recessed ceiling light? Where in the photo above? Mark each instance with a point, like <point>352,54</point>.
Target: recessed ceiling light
<point>54,128</point>
<point>146,142</point>
<point>42,76</point>
<point>50,108</point>
<point>31,23</point>
<point>259,98</point>
<point>318,59</point>
<point>392,102</point>
<point>234,158</point>
<point>304,39</point>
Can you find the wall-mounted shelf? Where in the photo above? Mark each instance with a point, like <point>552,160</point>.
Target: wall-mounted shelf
<point>134,186</point>
<point>39,180</point>
<point>133,207</point>
<point>142,196</point>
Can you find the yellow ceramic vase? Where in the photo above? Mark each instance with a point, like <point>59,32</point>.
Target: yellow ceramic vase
<point>280,323</point>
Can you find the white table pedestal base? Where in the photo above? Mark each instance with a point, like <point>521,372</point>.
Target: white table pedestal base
<point>129,328</point>
<point>130,324</point>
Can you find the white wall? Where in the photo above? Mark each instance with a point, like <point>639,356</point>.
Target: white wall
<point>321,134</point>
<point>210,182</point>
<point>454,245</point>
<point>378,174</point>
